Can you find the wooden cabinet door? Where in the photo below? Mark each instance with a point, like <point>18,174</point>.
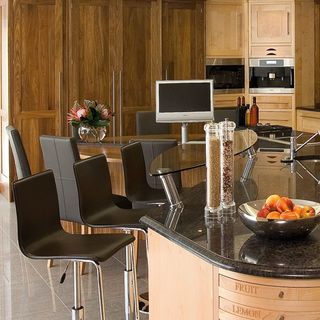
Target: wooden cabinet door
<point>224,29</point>
<point>37,72</point>
<point>183,50</point>
<point>138,65</point>
<point>271,23</point>
<point>183,39</point>
<point>89,35</point>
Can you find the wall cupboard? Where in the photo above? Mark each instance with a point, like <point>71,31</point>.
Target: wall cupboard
<point>225,25</point>
<point>271,28</point>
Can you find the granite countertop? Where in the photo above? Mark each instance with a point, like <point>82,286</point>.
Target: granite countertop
<point>228,243</point>
<point>315,108</point>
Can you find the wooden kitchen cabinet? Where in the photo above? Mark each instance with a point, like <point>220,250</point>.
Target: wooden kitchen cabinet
<point>183,49</point>
<point>115,56</point>
<point>271,29</point>
<point>225,25</point>
<point>308,121</point>
<point>183,30</point>
<point>36,73</point>
<point>276,109</point>
<point>226,100</point>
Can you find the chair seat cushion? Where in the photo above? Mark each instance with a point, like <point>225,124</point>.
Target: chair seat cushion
<point>62,245</point>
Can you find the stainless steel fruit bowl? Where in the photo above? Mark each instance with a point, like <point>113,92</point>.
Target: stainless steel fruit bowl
<point>275,229</point>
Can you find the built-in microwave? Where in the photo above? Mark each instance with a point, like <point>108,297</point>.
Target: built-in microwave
<point>271,76</point>
<point>227,74</point>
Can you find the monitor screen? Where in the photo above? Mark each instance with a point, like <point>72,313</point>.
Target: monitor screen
<point>184,101</point>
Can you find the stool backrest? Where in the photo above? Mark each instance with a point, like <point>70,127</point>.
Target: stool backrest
<point>37,210</point>
<point>146,124</point>
<point>60,153</point>
<point>94,187</point>
<point>151,149</point>
<point>19,153</point>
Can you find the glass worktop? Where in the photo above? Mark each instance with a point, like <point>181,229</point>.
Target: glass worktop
<point>193,154</point>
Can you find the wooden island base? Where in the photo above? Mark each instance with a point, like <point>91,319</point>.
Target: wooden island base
<point>183,286</point>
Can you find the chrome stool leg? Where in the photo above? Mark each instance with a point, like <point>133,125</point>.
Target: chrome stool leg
<point>77,309</point>
<point>130,286</point>
<point>100,291</point>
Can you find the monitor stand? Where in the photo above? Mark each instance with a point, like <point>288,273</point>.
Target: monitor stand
<point>184,132</point>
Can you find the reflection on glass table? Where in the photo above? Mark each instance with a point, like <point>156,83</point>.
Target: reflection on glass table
<point>189,156</point>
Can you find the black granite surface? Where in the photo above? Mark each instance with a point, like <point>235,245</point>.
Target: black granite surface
<point>315,108</point>
<point>228,243</point>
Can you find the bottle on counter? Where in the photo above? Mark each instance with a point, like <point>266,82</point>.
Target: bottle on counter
<point>238,102</point>
<point>247,116</point>
<point>254,113</point>
<point>243,101</point>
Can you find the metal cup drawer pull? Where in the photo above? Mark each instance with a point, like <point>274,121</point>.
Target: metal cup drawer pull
<point>281,295</point>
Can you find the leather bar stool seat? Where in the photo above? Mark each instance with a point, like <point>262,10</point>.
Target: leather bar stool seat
<point>40,235</point>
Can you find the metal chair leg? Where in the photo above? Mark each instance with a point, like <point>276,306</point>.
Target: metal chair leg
<point>100,291</point>
<point>130,282</point>
<point>77,309</point>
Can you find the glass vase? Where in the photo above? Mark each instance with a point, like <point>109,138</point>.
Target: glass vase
<point>91,134</point>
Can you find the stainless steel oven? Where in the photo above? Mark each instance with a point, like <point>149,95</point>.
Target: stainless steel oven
<point>271,76</point>
<point>227,74</point>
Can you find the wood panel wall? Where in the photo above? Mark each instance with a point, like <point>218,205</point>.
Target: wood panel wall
<point>37,72</point>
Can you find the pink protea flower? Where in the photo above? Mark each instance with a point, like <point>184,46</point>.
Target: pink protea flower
<point>105,113</point>
<point>82,113</point>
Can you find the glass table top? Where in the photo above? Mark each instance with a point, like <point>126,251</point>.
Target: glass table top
<point>193,154</point>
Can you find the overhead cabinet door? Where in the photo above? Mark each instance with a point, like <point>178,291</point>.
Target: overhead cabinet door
<point>271,23</point>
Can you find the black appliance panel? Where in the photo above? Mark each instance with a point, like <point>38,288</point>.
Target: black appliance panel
<point>226,76</point>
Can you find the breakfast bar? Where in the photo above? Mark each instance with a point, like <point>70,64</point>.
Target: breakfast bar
<point>218,269</point>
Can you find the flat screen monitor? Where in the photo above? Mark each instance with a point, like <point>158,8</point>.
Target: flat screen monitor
<point>184,101</point>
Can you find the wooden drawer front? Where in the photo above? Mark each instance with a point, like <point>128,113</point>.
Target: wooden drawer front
<point>273,102</point>
<point>255,290</point>
<point>226,100</point>
<point>264,158</point>
<point>247,312</point>
<point>275,117</point>
<point>308,121</point>
<point>274,51</point>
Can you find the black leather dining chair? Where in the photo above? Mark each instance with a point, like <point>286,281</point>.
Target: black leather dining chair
<point>60,153</point>
<point>19,153</point>
<point>142,189</point>
<point>146,124</point>
<point>40,236</point>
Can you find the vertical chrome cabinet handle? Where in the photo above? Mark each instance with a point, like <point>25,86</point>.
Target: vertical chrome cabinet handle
<point>288,23</point>
<point>167,74</point>
<point>120,101</point>
<point>60,99</point>
<point>113,107</point>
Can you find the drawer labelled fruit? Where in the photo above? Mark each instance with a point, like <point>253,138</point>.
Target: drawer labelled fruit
<point>247,312</point>
<point>251,289</point>
<point>277,304</point>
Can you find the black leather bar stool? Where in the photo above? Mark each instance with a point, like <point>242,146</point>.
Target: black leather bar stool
<point>142,190</point>
<point>19,154</point>
<point>146,124</point>
<point>97,208</point>
<point>41,236</point>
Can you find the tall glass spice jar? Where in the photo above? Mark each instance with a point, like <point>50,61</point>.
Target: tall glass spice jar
<point>213,169</point>
<point>226,136</point>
